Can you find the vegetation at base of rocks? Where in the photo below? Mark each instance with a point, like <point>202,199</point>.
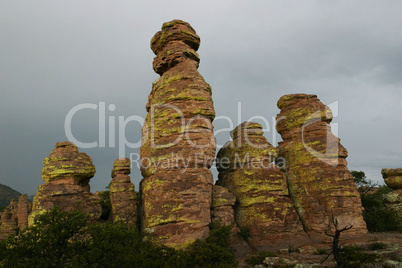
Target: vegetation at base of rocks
<point>377,216</point>
<point>67,239</point>
<point>377,246</point>
<point>1,209</point>
<point>320,251</point>
<point>105,204</point>
<point>245,233</point>
<point>354,256</point>
<point>259,257</point>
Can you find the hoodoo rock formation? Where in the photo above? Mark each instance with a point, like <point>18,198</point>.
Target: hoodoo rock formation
<point>319,183</point>
<point>122,193</point>
<point>273,197</point>
<point>66,173</point>
<point>178,144</point>
<point>393,179</point>
<point>263,206</point>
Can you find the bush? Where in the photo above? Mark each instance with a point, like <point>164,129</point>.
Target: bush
<point>259,257</point>
<point>377,246</point>
<point>66,239</point>
<point>378,217</point>
<point>353,256</point>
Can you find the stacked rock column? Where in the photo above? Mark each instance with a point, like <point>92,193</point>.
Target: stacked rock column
<point>393,200</point>
<point>122,193</point>
<point>263,204</point>
<point>66,173</point>
<point>178,145</point>
<point>320,185</point>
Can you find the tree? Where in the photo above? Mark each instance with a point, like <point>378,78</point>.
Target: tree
<point>364,185</point>
<point>53,241</point>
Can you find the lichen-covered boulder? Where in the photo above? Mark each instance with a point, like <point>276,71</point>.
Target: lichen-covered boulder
<point>319,183</point>
<point>66,173</point>
<point>392,177</point>
<point>263,206</point>
<point>393,200</point>
<point>122,193</point>
<point>178,144</point>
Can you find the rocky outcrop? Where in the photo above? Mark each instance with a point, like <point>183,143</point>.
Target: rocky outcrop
<point>263,206</point>
<point>23,210</point>
<point>319,183</point>
<point>178,145</point>
<point>66,173</point>
<point>122,193</point>
<point>9,221</point>
<point>393,179</point>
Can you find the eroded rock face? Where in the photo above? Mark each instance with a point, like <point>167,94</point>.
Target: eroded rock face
<point>178,145</point>
<point>23,210</point>
<point>9,220</point>
<point>393,179</point>
<point>222,206</point>
<point>263,203</point>
<point>66,173</point>
<point>319,182</point>
<point>122,193</point>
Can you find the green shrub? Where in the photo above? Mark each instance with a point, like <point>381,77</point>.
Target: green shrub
<point>353,256</point>
<point>259,257</point>
<point>378,217</point>
<point>66,239</point>
<point>320,251</point>
<point>377,246</point>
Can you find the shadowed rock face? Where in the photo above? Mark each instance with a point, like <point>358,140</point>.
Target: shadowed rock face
<point>14,217</point>
<point>318,180</point>
<point>263,203</point>
<point>66,173</point>
<point>178,145</point>
<point>122,193</point>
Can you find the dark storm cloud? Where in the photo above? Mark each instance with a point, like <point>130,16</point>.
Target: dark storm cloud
<point>56,55</point>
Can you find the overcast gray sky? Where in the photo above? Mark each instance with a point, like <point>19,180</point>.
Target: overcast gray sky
<point>55,55</point>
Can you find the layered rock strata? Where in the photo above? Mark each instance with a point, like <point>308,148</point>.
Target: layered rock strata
<point>263,205</point>
<point>66,173</point>
<point>222,212</point>
<point>393,179</point>
<point>319,183</point>
<point>122,193</point>
<point>178,145</point>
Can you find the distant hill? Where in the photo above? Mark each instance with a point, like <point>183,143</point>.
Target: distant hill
<point>6,194</point>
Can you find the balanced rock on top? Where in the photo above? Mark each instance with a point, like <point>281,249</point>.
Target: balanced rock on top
<point>66,173</point>
<point>178,144</point>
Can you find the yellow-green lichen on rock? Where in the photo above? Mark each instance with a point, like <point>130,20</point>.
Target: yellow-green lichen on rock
<point>246,168</point>
<point>320,185</point>
<point>178,144</point>
<point>66,174</point>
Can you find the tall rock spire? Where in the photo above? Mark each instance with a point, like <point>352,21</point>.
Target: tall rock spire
<point>178,144</point>
<point>320,185</point>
